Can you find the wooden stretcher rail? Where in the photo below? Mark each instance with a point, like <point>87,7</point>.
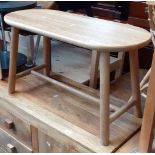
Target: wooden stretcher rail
<point>66,87</point>
<point>146,77</point>
<point>113,117</point>
<point>144,86</point>
<point>26,72</point>
<point>144,95</point>
<point>29,71</point>
<point>122,110</point>
<point>71,89</point>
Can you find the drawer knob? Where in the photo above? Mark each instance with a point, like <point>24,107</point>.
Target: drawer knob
<point>11,148</point>
<point>8,124</point>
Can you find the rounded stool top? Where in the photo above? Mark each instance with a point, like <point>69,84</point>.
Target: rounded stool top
<point>79,30</point>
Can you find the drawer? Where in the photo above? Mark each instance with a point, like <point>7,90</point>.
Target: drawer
<point>11,145</point>
<point>49,144</point>
<point>15,126</point>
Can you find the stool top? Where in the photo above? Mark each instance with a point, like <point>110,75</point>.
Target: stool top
<point>9,6</point>
<point>79,30</point>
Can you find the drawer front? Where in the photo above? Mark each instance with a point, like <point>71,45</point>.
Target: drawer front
<point>11,145</point>
<point>47,144</point>
<point>15,126</point>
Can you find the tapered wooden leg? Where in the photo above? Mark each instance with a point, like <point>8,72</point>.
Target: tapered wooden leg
<point>135,84</point>
<point>104,97</point>
<point>94,69</point>
<point>47,54</point>
<point>148,123</point>
<point>147,134</point>
<point>13,57</point>
<point>30,50</point>
<point>118,71</point>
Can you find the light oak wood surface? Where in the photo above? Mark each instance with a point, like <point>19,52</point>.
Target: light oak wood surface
<point>11,144</point>
<point>95,34</point>
<point>148,123</point>
<point>13,55</point>
<point>67,118</point>
<point>83,31</point>
<point>19,129</point>
<point>47,55</point>
<point>119,89</point>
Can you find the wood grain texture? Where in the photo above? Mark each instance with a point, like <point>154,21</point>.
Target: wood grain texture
<point>19,129</point>
<point>94,69</point>
<point>130,146</point>
<point>148,123</point>
<point>13,57</point>
<point>65,117</point>
<point>104,98</point>
<point>11,144</point>
<point>87,32</point>
<point>47,55</point>
<point>30,49</point>
<point>135,83</point>
<point>34,139</point>
<point>84,32</point>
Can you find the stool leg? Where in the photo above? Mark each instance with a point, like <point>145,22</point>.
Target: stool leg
<point>47,55</point>
<point>30,50</point>
<point>104,97</point>
<point>135,84</point>
<point>147,134</point>
<point>13,57</point>
<point>36,50</point>
<point>148,123</point>
<point>94,69</point>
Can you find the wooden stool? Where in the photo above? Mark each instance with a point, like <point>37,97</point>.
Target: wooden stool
<point>89,36</point>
